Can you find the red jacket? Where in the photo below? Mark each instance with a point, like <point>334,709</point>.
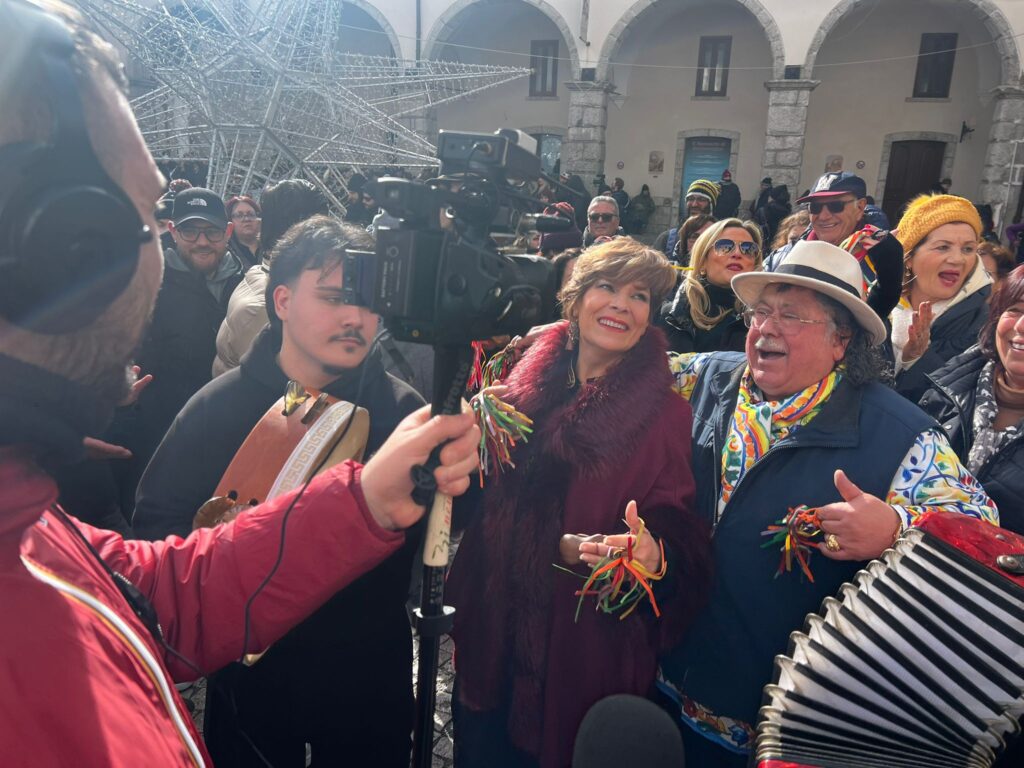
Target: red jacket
<point>84,682</point>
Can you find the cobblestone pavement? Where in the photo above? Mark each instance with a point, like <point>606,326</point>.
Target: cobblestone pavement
<point>195,694</point>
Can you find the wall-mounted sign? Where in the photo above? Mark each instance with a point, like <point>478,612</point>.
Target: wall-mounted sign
<point>656,162</point>
<point>705,158</point>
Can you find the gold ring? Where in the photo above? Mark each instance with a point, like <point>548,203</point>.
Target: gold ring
<point>832,543</point>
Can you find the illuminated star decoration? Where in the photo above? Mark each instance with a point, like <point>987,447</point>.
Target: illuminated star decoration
<point>262,92</point>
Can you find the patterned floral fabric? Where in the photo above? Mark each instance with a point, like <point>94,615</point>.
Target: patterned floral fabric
<point>930,477</point>
<point>757,424</point>
<point>987,440</point>
<point>735,735</point>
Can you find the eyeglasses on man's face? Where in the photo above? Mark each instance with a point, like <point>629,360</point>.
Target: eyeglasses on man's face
<point>602,217</point>
<point>191,234</point>
<point>834,206</point>
<point>788,323</point>
<point>244,217</point>
<point>726,246</point>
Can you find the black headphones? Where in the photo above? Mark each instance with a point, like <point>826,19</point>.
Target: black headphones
<point>69,236</point>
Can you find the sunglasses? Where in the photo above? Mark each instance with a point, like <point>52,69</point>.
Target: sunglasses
<point>725,246</point>
<point>604,217</point>
<point>191,234</point>
<point>834,206</point>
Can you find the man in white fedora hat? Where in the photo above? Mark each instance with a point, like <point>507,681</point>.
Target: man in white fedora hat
<point>798,420</point>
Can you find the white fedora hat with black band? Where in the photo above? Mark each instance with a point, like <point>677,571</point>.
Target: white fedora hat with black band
<point>820,267</point>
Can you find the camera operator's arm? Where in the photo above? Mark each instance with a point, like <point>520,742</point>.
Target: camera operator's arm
<point>342,526</point>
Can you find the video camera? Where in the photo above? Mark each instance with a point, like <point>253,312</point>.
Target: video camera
<point>440,277</point>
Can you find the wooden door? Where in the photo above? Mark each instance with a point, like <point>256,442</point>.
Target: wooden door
<point>914,167</point>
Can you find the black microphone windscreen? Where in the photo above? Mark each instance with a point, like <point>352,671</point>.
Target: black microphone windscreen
<point>625,730</point>
<point>545,223</point>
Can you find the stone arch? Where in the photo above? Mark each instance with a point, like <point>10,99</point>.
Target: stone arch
<point>381,21</point>
<point>443,28</point>
<point>985,10</point>
<point>948,155</point>
<point>614,40</point>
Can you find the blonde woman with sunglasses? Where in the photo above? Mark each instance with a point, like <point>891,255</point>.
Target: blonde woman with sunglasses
<point>705,314</point>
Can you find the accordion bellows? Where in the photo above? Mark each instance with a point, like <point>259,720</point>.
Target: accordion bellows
<point>919,663</point>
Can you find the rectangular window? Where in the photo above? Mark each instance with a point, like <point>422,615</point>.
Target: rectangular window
<point>544,62</point>
<point>713,66</point>
<point>935,65</point>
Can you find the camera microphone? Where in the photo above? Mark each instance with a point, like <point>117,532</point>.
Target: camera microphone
<point>627,730</point>
<point>544,223</point>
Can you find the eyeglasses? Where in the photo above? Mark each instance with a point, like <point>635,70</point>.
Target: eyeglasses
<point>191,234</point>
<point>603,217</point>
<point>244,217</point>
<point>834,206</point>
<point>726,246</point>
<point>788,323</point>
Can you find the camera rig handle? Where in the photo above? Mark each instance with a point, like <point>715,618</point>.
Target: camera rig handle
<point>452,366</point>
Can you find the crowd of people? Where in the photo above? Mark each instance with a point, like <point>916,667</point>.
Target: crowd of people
<point>753,360</point>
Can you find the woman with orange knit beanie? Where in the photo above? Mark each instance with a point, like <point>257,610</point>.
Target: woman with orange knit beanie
<point>945,290</point>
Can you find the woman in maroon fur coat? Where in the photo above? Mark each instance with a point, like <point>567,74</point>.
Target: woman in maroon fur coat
<point>608,429</point>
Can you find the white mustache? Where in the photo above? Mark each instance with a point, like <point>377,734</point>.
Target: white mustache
<point>767,345</point>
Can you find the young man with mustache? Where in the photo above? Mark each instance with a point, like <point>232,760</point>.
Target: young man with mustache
<point>301,690</point>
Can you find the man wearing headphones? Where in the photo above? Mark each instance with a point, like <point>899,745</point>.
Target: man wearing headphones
<point>97,628</point>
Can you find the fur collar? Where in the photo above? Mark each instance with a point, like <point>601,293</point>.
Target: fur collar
<point>592,428</point>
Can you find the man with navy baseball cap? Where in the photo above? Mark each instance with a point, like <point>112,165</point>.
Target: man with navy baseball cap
<point>200,272</point>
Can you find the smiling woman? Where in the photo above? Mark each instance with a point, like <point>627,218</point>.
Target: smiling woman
<point>704,316</point>
<point>978,398</point>
<point>945,290</point>
<point>609,302</point>
<point>607,431</point>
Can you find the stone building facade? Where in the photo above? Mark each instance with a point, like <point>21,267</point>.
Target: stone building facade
<point>655,91</point>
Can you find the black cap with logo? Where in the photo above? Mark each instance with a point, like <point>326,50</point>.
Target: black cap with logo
<point>199,203</point>
<point>836,184</point>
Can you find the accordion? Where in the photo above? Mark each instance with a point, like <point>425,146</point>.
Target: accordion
<point>918,663</point>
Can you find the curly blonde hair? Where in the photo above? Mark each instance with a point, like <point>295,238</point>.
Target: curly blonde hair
<point>621,260</point>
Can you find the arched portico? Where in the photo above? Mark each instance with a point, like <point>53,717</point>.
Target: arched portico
<point>994,20</point>
<point>382,22</point>
<point>613,42</point>
<point>984,91</point>
<point>445,27</point>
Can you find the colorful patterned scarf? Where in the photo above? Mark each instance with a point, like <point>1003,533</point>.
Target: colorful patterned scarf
<point>758,424</point>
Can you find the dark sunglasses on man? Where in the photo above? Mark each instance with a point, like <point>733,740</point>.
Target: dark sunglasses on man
<point>602,217</point>
<point>725,246</point>
<point>834,206</point>
<point>191,234</point>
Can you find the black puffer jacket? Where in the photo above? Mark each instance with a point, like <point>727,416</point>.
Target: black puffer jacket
<point>953,332</point>
<point>729,335</point>
<point>951,401</point>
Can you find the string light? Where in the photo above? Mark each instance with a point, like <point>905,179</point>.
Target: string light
<point>693,68</point>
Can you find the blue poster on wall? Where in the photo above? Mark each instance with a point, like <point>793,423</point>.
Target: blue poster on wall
<point>705,158</point>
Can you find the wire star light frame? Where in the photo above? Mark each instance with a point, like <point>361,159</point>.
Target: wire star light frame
<point>261,91</point>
